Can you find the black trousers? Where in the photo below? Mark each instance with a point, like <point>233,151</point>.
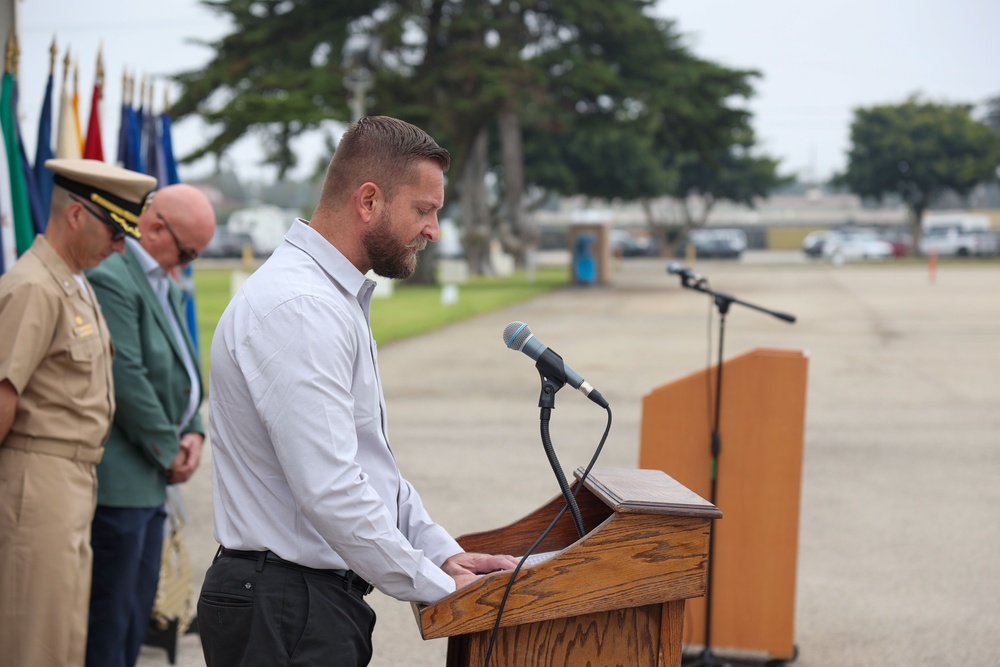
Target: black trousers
<point>262,614</point>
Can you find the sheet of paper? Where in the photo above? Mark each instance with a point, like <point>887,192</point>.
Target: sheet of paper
<point>535,559</point>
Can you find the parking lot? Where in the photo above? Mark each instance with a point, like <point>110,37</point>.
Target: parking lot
<point>899,534</point>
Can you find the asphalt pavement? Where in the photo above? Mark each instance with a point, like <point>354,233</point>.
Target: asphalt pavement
<point>900,531</point>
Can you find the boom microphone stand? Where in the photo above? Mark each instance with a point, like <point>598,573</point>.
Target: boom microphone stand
<point>692,280</point>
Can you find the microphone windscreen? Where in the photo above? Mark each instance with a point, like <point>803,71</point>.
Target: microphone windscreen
<point>516,334</point>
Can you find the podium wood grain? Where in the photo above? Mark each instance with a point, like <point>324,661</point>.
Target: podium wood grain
<point>614,596</point>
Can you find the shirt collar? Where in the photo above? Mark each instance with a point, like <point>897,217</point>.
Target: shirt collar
<point>149,266</point>
<point>330,259</point>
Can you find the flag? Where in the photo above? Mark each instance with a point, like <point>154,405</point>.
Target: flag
<point>31,186</point>
<point>43,147</point>
<point>67,140</point>
<point>135,140</point>
<point>151,141</point>
<point>170,162</point>
<point>76,107</point>
<point>135,135</point>
<point>8,242</point>
<point>93,147</point>
<point>170,177</point>
<point>123,132</point>
<point>24,228</point>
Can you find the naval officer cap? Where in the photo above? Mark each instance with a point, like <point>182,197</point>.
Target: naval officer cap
<point>119,194</point>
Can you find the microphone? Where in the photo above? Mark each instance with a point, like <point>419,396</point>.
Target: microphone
<point>518,336</point>
<point>684,272</point>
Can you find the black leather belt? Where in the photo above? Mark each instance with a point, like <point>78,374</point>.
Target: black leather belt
<point>262,557</point>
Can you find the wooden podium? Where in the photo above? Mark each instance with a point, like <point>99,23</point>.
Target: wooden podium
<point>762,427</point>
<point>613,597</point>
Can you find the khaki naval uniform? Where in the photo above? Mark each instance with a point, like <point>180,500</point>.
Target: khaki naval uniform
<point>56,350</point>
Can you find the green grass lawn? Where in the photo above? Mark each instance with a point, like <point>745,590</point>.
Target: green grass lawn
<point>410,311</point>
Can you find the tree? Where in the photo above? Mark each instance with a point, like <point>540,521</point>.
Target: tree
<point>734,174</point>
<point>601,86</point>
<point>919,150</point>
<point>277,74</point>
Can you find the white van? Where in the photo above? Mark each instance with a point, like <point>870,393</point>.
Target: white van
<point>265,224</point>
<point>958,235</point>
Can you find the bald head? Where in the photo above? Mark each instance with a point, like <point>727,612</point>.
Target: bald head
<point>179,221</point>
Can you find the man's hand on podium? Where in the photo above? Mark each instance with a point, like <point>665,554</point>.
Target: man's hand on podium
<point>466,567</point>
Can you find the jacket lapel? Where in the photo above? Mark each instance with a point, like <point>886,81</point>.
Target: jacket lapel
<point>149,296</point>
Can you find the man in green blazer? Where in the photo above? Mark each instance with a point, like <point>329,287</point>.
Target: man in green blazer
<point>157,432</point>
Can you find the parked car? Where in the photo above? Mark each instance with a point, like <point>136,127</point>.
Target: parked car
<point>901,242</point>
<point>717,243</point>
<point>626,244</point>
<point>854,244</point>
<point>227,244</point>
<point>812,244</point>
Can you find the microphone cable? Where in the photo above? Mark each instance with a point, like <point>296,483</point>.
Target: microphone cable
<point>541,538</point>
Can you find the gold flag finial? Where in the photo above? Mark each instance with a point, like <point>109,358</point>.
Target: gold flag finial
<point>53,53</point>
<point>166,99</point>
<point>100,64</point>
<point>8,64</point>
<point>17,55</point>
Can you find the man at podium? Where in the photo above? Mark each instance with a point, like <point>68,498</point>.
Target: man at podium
<point>309,503</point>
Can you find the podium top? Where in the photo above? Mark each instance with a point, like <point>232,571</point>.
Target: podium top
<point>629,491</point>
<point>647,544</point>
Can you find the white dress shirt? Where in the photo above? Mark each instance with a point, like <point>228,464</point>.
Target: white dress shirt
<point>301,464</point>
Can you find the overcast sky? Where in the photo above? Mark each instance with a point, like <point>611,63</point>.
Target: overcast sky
<point>818,61</point>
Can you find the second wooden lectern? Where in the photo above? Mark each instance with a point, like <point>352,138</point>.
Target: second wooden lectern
<point>613,597</point>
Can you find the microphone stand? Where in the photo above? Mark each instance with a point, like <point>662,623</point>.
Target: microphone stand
<point>547,401</point>
<point>722,303</point>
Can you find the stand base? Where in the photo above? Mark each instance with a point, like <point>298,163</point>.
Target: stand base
<point>166,638</point>
<point>707,658</point>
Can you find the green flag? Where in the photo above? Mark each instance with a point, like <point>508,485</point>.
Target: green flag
<point>24,228</point>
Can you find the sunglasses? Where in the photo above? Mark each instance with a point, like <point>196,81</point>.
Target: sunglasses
<point>117,233</point>
<point>184,255</point>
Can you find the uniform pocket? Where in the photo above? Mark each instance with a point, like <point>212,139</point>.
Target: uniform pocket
<point>86,350</point>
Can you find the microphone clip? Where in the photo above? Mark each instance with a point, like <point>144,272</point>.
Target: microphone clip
<point>547,397</point>
<point>552,372</point>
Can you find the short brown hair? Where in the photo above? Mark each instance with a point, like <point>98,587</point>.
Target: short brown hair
<point>382,150</point>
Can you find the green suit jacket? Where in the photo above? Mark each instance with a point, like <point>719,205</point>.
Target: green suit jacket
<point>152,387</point>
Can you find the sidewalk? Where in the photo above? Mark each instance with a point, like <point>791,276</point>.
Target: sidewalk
<point>900,534</point>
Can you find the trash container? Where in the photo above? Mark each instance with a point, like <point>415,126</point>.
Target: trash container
<point>584,262</point>
<point>590,254</point>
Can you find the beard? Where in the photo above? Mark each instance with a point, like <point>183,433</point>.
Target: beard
<point>389,257</point>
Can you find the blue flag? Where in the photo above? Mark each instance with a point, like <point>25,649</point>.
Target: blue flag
<point>123,137</point>
<point>170,162</point>
<point>43,152</point>
<point>170,177</point>
<point>134,142</point>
